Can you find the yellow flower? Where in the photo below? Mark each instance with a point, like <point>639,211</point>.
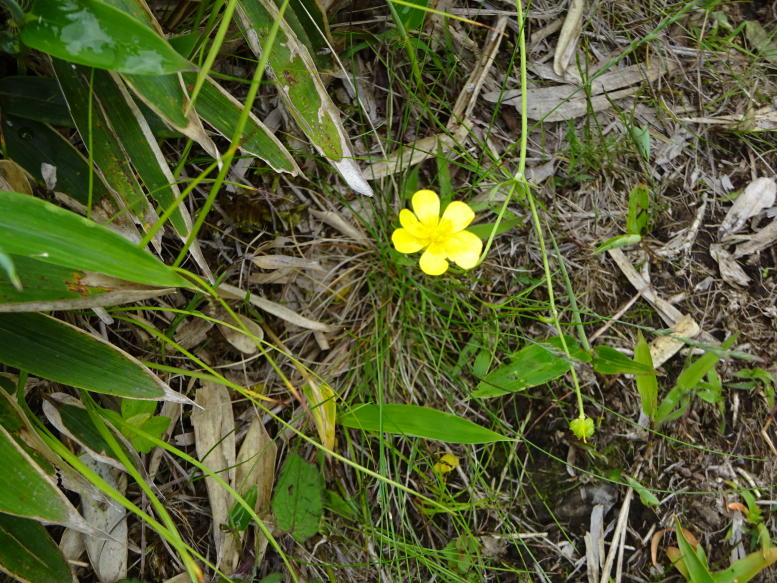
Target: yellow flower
<point>447,463</point>
<point>442,238</point>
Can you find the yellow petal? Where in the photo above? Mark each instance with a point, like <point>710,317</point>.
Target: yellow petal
<point>405,242</point>
<point>432,264</point>
<point>409,221</point>
<point>464,249</point>
<point>459,215</point>
<point>426,205</point>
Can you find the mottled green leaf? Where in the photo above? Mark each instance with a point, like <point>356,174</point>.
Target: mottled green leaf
<point>92,33</point>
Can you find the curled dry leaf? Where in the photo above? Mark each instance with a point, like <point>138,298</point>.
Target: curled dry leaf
<point>286,261</point>
<point>662,348</point>
<point>761,240</point>
<point>255,467</point>
<point>730,270</point>
<point>108,557</point>
<point>567,40</point>
<point>241,341</point>
<point>758,195</point>
<point>214,431</point>
<point>235,293</point>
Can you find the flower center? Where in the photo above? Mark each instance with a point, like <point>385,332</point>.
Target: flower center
<point>438,233</point>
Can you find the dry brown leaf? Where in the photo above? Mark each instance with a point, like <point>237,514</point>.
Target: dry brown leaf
<point>759,241</point>
<point>241,341</point>
<point>338,221</point>
<point>758,195</point>
<point>255,467</point>
<point>570,33</point>
<point>214,433</point>
<point>13,177</point>
<point>762,119</point>
<point>662,348</point>
<point>235,293</point>
<point>192,332</point>
<point>285,262</point>
<point>563,102</point>
<point>730,270</point>
<point>108,557</point>
<point>416,152</point>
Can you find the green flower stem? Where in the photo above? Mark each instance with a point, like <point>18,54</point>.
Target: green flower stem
<point>520,181</point>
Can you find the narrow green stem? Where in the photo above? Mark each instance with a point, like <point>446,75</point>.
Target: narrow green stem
<point>520,180</point>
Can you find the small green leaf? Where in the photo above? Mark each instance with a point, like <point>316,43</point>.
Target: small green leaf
<point>412,18</point>
<point>37,98</point>
<point>483,230</point>
<point>647,383</point>
<point>617,242</point>
<point>639,210</point>
<point>418,422</point>
<point>27,552</point>
<point>697,567</point>
<point>32,227</point>
<point>298,501</point>
<point>92,33</point>
<point>532,365</point>
<point>641,137</point>
<point>239,518</point>
<point>645,495</point>
<point>607,360</point>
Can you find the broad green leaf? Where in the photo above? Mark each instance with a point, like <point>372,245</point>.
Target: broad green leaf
<point>418,422</point>
<point>298,499</point>
<point>31,144</point>
<point>607,360</point>
<point>532,365</point>
<point>36,98</point>
<point>639,209</point>
<point>49,348</point>
<point>92,33</point>
<point>46,287</point>
<point>647,383</point>
<point>166,96</point>
<point>97,131</point>
<point>140,147</point>
<point>617,241</point>
<point>26,490</point>
<point>35,228</point>
<point>221,110</point>
<point>301,89</point>
<point>28,554</point>
<point>69,417</point>
<point>747,567</point>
